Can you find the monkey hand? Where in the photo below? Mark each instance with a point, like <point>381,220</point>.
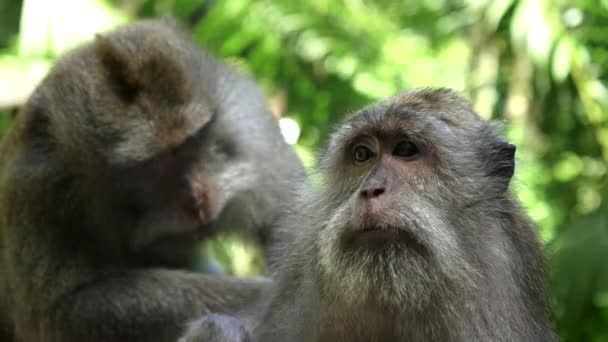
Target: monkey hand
<point>217,328</point>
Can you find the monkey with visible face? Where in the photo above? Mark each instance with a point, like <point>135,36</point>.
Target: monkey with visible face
<point>409,235</point>
<point>131,150</point>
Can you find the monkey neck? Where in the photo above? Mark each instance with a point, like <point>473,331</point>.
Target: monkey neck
<point>463,315</point>
<point>376,323</point>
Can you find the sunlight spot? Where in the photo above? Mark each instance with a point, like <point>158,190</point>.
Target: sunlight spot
<point>290,130</point>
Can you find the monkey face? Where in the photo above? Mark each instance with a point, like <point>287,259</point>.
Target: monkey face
<point>150,128</point>
<point>406,170</point>
<point>161,165</point>
<point>187,190</point>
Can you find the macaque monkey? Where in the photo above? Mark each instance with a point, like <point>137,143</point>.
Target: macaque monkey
<point>134,148</point>
<point>410,234</point>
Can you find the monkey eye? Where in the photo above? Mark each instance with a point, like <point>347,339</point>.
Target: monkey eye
<point>405,149</point>
<point>362,153</point>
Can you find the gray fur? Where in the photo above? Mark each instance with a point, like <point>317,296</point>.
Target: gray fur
<point>479,275</point>
<point>476,271</point>
<point>96,171</point>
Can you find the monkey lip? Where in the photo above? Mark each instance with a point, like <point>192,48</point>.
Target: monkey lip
<point>373,236</point>
<point>380,234</point>
<point>376,233</point>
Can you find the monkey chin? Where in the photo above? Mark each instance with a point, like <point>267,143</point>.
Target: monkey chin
<point>379,265</point>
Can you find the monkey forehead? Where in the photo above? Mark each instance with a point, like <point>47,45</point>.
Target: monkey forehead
<point>143,139</point>
<point>414,111</point>
<point>410,111</point>
<point>169,76</point>
<point>444,104</point>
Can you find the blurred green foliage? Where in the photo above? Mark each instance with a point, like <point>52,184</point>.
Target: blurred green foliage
<point>540,65</point>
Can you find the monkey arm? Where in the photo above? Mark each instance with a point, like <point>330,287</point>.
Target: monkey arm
<point>63,286</point>
<point>138,305</point>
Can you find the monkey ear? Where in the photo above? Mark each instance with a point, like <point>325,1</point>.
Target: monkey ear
<point>502,164</point>
<point>134,69</point>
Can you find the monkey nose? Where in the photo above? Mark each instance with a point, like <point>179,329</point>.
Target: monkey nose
<point>202,203</point>
<point>372,192</point>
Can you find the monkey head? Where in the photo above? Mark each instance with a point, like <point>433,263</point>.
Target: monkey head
<point>401,177</point>
<point>134,129</point>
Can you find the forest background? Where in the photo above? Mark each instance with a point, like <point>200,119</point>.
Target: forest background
<point>538,65</point>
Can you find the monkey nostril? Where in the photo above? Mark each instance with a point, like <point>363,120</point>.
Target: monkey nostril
<point>193,210</point>
<point>372,193</point>
<point>203,202</point>
<point>377,192</point>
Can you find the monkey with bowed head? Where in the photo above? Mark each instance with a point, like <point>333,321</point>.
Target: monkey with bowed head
<point>130,151</point>
<point>410,234</point>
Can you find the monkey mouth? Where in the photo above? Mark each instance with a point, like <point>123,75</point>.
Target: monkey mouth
<point>378,233</point>
<point>382,236</point>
